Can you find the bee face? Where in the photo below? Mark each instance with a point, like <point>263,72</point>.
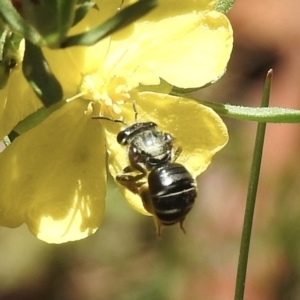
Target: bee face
<point>124,137</point>
<point>147,147</point>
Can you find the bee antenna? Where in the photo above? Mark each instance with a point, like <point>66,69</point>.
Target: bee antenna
<point>119,8</point>
<point>109,119</point>
<point>135,111</point>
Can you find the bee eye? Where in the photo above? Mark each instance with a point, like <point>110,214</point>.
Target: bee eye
<point>122,137</point>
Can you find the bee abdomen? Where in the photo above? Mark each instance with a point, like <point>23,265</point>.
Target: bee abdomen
<point>173,192</point>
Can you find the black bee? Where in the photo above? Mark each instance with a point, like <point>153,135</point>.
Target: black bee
<point>166,188</point>
<point>169,195</point>
<point>147,147</point>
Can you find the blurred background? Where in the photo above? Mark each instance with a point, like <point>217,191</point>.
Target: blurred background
<point>124,260</point>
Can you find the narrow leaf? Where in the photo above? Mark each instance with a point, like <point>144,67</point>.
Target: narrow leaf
<point>82,10</point>
<point>9,54</point>
<point>11,17</point>
<point>224,6</point>
<point>38,74</point>
<point>119,21</point>
<point>258,114</point>
<point>65,11</point>
<point>251,197</point>
<point>37,117</point>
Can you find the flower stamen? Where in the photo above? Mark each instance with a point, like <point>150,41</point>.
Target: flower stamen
<point>110,93</point>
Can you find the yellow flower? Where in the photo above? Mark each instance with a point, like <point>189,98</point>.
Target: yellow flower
<point>53,177</point>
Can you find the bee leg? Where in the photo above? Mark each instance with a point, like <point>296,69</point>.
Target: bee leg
<point>146,199</point>
<point>177,153</point>
<point>181,225</point>
<point>158,226</point>
<point>132,183</point>
<point>128,169</point>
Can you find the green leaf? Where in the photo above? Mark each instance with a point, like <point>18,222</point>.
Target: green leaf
<point>4,73</point>
<point>224,6</point>
<point>82,10</point>
<point>38,74</point>
<point>12,136</point>
<point>251,197</point>
<point>65,13</point>
<point>42,22</point>
<point>4,59</point>
<point>258,114</point>
<point>37,117</point>
<point>119,21</point>
<point>9,54</point>
<point>13,19</point>
<point>52,19</point>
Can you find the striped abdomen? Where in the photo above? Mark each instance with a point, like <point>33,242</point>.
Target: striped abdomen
<point>172,191</point>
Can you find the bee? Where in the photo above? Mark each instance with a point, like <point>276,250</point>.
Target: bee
<point>167,189</point>
<point>169,195</point>
<point>147,148</point>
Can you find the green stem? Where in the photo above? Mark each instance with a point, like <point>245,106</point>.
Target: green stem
<point>251,197</point>
<point>258,114</point>
<point>10,16</point>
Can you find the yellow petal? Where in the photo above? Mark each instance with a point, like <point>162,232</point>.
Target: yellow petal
<point>66,68</point>
<point>53,177</point>
<point>178,7</point>
<point>196,128</point>
<point>80,59</point>
<point>106,9</point>
<point>167,8</point>
<point>187,51</point>
<point>17,101</point>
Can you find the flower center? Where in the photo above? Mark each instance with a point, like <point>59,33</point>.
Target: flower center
<point>109,93</point>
